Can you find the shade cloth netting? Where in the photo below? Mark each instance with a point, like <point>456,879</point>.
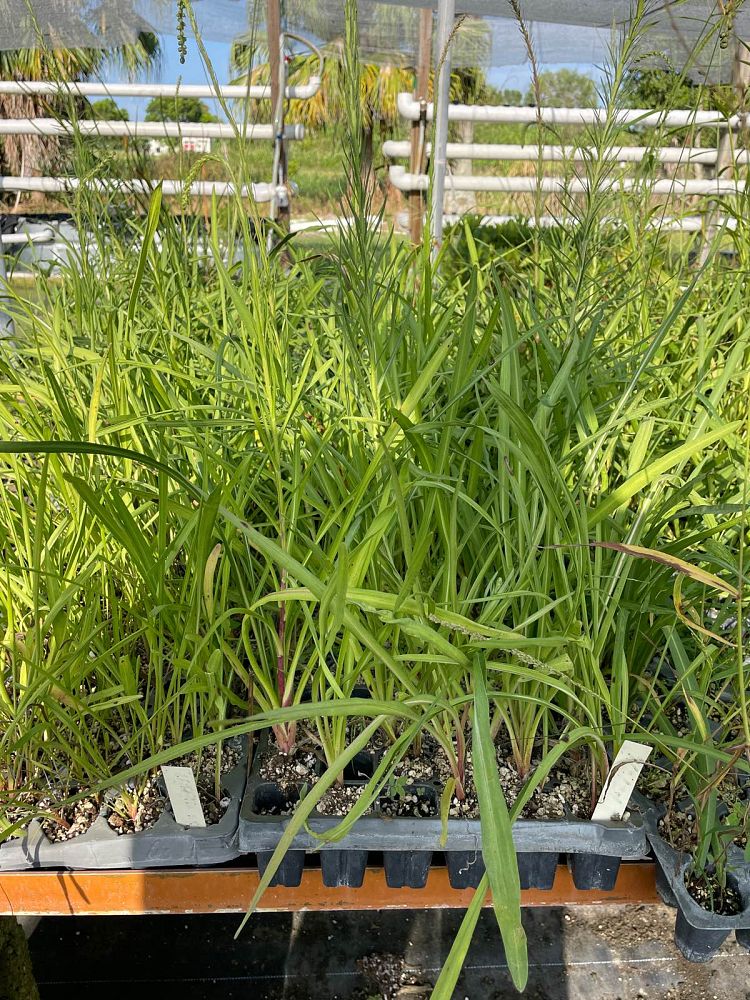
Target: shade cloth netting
<point>563,31</point>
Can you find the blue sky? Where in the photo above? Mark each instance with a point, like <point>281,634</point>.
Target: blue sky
<point>171,70</point>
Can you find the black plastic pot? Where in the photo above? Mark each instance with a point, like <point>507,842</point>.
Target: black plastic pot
<point>406,869</point>
<point>289,872</point>
<point>407,843</point>
<point>342,868</point>
<point>537,869</point>
<point>264,817</point>
<point>165,844</point>
<point>362,767</point>
<point>699,933</point>
<point>594,871</point>
<point>697,944</point>
<point>465,868</point>
<point>664,889</point>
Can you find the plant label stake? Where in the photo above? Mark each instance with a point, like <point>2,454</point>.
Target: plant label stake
<point>183,795</point>
<point>34,836</point>
<point>624,773</point>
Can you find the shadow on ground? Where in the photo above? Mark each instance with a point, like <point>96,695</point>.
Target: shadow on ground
<point>596,952</point>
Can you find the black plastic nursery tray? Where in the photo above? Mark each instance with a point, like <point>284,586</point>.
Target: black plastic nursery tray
<point>699,933</point>
<point>594,850</point>
<point>165,844</point>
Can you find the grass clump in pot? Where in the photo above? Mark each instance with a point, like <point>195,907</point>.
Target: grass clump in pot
<point>377,508</point>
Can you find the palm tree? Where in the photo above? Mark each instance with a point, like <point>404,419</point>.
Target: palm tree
<point>379,87</point>
<point>387,32</point>
<point>387,35</point>
<point>29,154</point>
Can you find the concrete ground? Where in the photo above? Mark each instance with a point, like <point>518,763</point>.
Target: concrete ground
<point>576,953</point>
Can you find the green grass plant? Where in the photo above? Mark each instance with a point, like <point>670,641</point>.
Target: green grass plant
<point>501,492</point>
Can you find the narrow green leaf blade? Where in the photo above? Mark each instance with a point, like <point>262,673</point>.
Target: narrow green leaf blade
<point>497,837</point>
<point>154,210</point>
<point>446,984</point>
<point>634,484</point>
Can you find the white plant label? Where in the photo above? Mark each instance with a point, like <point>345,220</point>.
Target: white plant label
<point>183,795</point>
<point>624,773</point>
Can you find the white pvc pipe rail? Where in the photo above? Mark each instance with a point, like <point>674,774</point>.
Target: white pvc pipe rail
<point>176,130</point>
<point>258,192</point>
<point>410,109</point>
<point>259,92</point>
<point>396,149</point>
<point>334,223</point>
<point>16,239</point>
<point>404,181</point>
<point>686,224</point>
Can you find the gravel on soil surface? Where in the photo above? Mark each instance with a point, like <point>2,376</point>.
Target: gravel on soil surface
<point>136,808</point>
<point>129,815</point>
<point>567,791</point>
<point>708,892</point>
<point>679,827</point>
<point>78,817</point>
<point>339,800</point>
<point>289,770</point>
<point>284,806</point>
<point>410,802</point>
<point>139,805</point>
<point>59,823</point>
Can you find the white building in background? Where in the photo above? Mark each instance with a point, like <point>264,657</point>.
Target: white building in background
<point>160,147</point>
<point>199,144</point>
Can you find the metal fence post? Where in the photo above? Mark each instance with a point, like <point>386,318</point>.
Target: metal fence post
<point>446,23</point>
<point>280,208</point>
<point>726,154</point>
<point>419,128</point>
